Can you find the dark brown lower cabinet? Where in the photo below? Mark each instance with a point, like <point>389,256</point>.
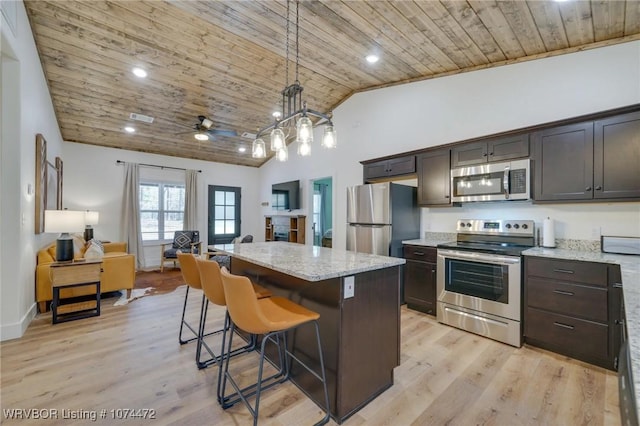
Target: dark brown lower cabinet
<point>573,308</point>
<point>420,278</point>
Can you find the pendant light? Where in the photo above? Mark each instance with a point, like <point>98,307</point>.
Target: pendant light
<point>329,137</point>
<point>258,149</point>
<point>295,116</point>
<point>277,139</point>
<point>283,153</point>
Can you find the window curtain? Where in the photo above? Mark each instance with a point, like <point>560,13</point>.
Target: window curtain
<point>130,219</point>
<point>191,200</point>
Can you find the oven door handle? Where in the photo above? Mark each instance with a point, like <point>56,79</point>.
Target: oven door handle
<point>478,257</point>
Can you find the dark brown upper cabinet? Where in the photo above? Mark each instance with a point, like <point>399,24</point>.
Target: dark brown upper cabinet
<point>563,163</point>
<point>434,178</point>
<point>500,149</point>
<point>389,168</point>
<point>588,161</point>
<point>616,153</point>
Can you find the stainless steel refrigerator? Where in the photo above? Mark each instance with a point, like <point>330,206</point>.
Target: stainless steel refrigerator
<point>380,216</point>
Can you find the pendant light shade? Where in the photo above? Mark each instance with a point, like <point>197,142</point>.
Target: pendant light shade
<point>283,153</point>
<point>304,149</point>
<point>329,139</point>
<point>277,139</point>
<point>305,130</point>
<point>258,149</point>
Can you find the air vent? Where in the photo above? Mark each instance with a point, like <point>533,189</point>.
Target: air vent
<point>248,135</point>
<point>140,117</point>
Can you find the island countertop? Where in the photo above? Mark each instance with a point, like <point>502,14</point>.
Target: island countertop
<point>307,262</point>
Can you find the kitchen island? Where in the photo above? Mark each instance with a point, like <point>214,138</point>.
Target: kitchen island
<point>358,298</point>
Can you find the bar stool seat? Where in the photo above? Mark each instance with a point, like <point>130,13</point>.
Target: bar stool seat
<point>272,318</point>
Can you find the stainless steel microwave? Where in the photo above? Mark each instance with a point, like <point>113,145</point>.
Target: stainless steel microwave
<point>505,181</point>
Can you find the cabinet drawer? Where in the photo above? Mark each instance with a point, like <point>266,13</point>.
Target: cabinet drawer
<point>567,270</point>
<point>575,300</point>
<point>567,335</point>
<point>426,254</point>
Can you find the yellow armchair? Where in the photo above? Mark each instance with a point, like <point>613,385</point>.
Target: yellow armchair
<point>118,273</point>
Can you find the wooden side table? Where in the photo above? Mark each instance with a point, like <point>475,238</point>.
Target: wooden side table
<point>75,274</point>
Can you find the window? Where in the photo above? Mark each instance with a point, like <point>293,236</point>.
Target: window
<point>161,210</point>
<point>224,214</point>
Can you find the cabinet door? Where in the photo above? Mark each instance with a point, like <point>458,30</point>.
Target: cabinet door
<point>434,178</point>
<point>420,286</point>
<point>564,163</point>
<point>468,154</point>
<point>617,157</point>
<point>502,149</point>
<point>402,166</point>
<point>375,170</point>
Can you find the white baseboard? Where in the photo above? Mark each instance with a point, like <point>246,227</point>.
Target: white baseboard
<point>17,329</point>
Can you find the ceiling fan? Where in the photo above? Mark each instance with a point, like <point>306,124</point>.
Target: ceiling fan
<point>203,130</point>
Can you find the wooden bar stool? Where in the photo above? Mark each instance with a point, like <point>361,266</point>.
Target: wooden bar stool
<point>270,317</point>
<point>211,282</point>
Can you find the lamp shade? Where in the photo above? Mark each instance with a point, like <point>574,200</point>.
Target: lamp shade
<point>305,130</point>
<point>329,138</point>
<point>61,221</point>
<point>91,217</point>
<point>258,149</point>
<point>277,139</point>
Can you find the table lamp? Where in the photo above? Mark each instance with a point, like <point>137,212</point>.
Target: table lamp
<point>90,218</point>
<point>64,221</point>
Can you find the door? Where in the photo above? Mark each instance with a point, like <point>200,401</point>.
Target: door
<point>374,239</point>
<point>564,163</point>
<point>434,178</point>
<point>617,156</point>
<point>369,204</point>
<point>322,212</point>
<point>224,214</point>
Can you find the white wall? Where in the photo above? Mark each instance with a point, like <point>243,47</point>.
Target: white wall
<point>26,111</point>
<point>94,181</point>
<point>449,109</point>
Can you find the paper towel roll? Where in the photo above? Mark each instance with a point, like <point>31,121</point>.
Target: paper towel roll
<point>548,233</point>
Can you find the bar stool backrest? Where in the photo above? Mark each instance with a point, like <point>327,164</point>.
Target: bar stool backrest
<point>211,281</point>
<point>189,269</point>
<point>242,304</point>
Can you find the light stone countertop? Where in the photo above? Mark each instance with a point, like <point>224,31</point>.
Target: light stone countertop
<point>307,262</point>
<point>630,269</point>
<point>432,239</point>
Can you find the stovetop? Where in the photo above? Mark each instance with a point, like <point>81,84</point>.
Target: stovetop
<point>498,236</point>
<point>493,248</point>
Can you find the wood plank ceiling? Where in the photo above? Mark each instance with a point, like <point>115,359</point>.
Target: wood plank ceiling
<point>226,59</point>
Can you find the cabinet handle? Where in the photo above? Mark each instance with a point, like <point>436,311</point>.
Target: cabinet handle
<point>491,153</point>
<point>588,188</point>
<point>617,285</point>
<point>559,324</point>
<point>598,188</point>
<point>418,253</point>
<point>446,196</point>
<point>484,154</point>
<point>564,293</point>
<point>563,271</point>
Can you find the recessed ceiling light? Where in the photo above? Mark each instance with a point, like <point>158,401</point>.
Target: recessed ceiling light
<point>201,136</point>
<point>129,129</point>
<point>372,59</point>
<point>242,149</point>
<point>139,72</point>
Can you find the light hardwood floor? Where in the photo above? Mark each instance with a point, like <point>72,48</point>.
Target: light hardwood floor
<point>129,358</point>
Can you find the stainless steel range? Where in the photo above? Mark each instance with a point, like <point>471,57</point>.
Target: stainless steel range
<point>479,278</point>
